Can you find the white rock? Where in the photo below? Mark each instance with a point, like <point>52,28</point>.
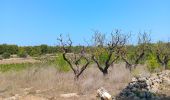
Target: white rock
<point>69,95</point>
<point>102,93</point>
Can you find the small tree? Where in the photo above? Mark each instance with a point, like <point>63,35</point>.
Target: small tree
<point>74,59</point>
<point>106,52</point>
<point>132,58</point>
<point>163,53</point>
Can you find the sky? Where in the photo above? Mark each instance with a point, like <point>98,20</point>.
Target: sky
<point>35,22</point>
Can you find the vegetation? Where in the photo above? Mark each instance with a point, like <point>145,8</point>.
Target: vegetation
<point>103,51</point>
<point>72,58</point>
<point>28,50</point>
<point>104,54</point>
<point>22,53</point>
<point>102,63</point>
<point>6,55</point>
<point>134,55</point>
<point>152,62</point>
<point>163,53</point>
<point>62,65</point>
<point>14,67</point>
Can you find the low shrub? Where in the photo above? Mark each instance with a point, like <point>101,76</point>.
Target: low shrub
<point>168,65</point>
<point>61,64</point>
<point>152,63</point>
<point>22,54</point>
<point>6,55</point>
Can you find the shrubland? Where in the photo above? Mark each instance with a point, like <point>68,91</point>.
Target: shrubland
<point>104,51</point>
<point>67,68</point>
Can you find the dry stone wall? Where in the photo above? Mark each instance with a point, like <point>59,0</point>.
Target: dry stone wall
<point>145,88</point>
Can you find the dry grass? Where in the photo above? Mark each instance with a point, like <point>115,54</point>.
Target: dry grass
<point>51,83</point>
<point>18,60</point>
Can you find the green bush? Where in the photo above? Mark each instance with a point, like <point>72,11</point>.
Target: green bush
<point>152,63</point>
<point>6,55</point>
<point>102,57</point>
<point>22,54</point>
<point>1,58</point>
<point>62,65</point>
<point>169,65</point>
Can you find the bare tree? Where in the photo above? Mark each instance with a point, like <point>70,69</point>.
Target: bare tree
<point>163,53</point>
<point>98,38</point>
<point>111,48</point>
<point>137,53</point>
<point>74,59</point>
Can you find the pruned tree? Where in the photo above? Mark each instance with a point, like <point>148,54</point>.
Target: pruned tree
<point>74,59</point>
<point>132,55</point>
<point>106,52</point>
<point>163,53</point>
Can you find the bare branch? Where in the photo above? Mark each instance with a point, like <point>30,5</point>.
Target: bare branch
<point>73,59</point>
<point>112,48</point>
<point>143,45</point>
<point>163,53</point>
<point>99,38</point>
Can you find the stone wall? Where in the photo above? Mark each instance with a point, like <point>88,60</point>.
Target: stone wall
<point>145,88</point>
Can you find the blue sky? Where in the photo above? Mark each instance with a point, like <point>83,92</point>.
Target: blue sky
<point>34,22</point>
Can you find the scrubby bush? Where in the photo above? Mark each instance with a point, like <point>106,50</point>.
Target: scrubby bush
<point>22,54</point>
<point>103,57</point>
<point>152,63</point>
<point>35,51</point>
<point>168,65</point>
<point>44,49</point>
<point>6,55</point>
<point>61,63</point>
<point>12,49</point>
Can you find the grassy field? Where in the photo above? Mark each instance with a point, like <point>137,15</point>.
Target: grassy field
<point>47,78</point>
<point>17,64</point>
<point>51,83</point>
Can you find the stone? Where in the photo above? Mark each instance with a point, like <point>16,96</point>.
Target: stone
<point>103,94</point>
<point>136,98</point>
<point>142,94</point>
<point>134,79</point>
<point>69,95</point>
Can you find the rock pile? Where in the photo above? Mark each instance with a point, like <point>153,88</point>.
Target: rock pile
<point>145,88</point>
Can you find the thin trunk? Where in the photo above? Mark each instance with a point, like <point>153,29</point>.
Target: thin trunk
<point>76,78</point>
<point>165,65</point>
<point>105,72</point>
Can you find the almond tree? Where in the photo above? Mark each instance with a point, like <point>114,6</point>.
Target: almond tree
<point>163,53</point>
<point>74,59</point>
<point>132,58</point>
<point>106,52</point>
